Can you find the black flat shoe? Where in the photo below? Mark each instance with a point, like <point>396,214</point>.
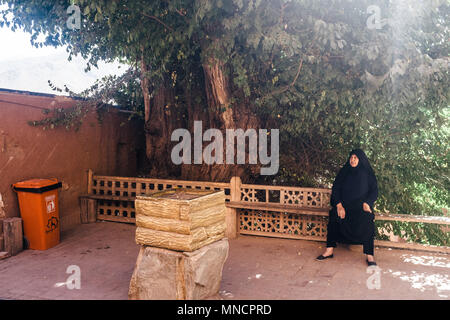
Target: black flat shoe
<point>321,257</point>
<point>371,263</point>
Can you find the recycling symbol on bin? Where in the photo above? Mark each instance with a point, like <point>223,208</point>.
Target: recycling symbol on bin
<point>52,224</point>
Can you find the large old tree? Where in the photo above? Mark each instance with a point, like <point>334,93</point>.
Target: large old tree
<point>330,74</point>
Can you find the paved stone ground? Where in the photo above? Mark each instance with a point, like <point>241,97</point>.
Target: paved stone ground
<point>257,268</point>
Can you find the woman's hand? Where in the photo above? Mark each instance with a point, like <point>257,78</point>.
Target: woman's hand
<point>340,211</point>
<point>366,207</point>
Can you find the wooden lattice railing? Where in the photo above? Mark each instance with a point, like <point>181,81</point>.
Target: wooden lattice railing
<point>275,211</point>
<point>115,195</point>
<point>287,212</point>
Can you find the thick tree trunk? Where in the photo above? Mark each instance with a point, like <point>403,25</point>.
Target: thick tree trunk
<point>145,85</point>
<point>217,92</point>
<point>217,88</point>
<point>163,118</point>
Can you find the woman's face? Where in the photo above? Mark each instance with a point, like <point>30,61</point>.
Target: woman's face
<point>354,160</point>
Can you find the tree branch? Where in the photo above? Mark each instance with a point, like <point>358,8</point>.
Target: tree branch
<point>153,18</point>
<point>298,72</point>
<point>156,19</point>
<point>284,89</point>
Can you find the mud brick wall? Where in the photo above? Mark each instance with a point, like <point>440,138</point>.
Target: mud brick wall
<point>109,147</point>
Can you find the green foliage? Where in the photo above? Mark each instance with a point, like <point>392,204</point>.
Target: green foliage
<point>69,118</point>
<point>313,68</point>
<point>422,233</point>
<point>122,91</point>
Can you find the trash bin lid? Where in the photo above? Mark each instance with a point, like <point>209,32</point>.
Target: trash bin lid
<point>37,185</point>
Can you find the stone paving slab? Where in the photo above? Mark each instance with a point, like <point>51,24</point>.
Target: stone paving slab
<point>259,268</point>
<point>267,268</point>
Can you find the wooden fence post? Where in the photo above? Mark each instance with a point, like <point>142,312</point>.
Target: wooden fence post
<point>88,207</point>
<point>88,210</point>
<point>231,214</point>
<point>13,235</point>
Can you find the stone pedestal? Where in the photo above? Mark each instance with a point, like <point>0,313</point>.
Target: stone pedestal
<point>166,274</point>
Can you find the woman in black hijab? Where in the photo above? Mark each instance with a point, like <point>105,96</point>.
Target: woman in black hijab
<point>351,219</point>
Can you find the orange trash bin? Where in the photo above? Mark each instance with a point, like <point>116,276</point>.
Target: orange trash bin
<point>39,209</point>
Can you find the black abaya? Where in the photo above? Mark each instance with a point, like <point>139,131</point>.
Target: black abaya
<point>352,187</point>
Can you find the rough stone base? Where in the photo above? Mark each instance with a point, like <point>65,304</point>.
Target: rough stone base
<point>169,275</point>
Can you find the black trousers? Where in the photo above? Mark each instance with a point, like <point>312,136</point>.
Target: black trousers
<point>337,229</point>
